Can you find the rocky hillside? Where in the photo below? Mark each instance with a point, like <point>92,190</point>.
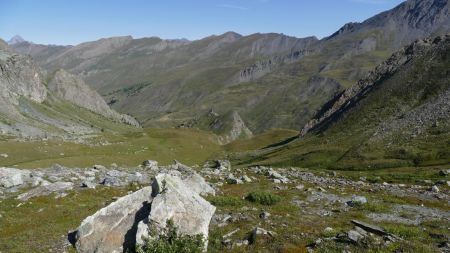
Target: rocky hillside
<point>269,79</point>
<point>228,127</point>
<point>30,109</point>
<point>71,88</point>
<point>419,101</point>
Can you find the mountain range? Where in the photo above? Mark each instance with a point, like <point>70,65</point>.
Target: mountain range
<point>264,80</point>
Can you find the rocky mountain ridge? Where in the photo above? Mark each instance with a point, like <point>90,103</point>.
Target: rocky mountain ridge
<point>30,109</point>
<point>163,82</point>
<point>339,105</point>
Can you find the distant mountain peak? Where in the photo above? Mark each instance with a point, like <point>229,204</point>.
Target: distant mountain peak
<point>16,40</point>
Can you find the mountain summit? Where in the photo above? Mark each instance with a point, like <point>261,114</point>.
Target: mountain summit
<point>16,40</point>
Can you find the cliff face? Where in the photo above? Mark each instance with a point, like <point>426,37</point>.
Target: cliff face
<point>19,76</point>
<point>29,109</point>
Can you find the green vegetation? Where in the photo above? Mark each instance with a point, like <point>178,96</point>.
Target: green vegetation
<point>170,241</point>
<point>263,198</point>
<point>225,201</point>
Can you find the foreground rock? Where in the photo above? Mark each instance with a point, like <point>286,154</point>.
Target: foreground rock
<point>126,222</point>
<point>113,228</point>
<point>176,201</point>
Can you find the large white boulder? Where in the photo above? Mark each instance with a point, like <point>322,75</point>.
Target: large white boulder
<point>174,200</point>
<point>113,229</point>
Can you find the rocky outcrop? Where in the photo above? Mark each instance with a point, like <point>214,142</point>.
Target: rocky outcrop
<point>238,129</point>
<point>120,226</point>
<point>72,88</point>
<point>44,190</point>
<point>228,127</point>
<point>10,177</point>
<point>263,67</point>
<point>19,76</point>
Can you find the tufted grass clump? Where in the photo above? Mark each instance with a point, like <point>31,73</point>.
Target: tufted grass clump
<point>263,198</point>
<point>170,241</point>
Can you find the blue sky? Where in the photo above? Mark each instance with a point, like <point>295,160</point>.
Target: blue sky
<point>72,22</point>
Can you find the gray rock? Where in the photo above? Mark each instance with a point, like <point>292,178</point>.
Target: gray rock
<point>358,200</point>
<point>223,165</point>
<point>99,167</point>
<point>300,187</point>
<point>354,236</point>
<point>174,200</point>
<point>264,215</point>
<point>10,177</point>
<point>246,179</point>
<point>111,181</point>
<point>444,172</point>
<point>88,184</point>
<point>44,190</point>
<point>113,228</point>
<point>435,189</point>
<point>198,184</point>
<point>150,164</point>
<point>258,232</point>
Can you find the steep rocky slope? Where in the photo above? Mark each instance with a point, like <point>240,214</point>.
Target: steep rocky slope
<point>228,127</point>
<point>29,109</point>
<point>398,116</point>
<point>424,90</point>
<point>71,88</point>
<point>267,78</point>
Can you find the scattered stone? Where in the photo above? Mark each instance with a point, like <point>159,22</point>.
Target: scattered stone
<point>435,189</point>
<point>232,180</point>
<point>354,236</point>
<point>264,215</point>
<point>4,155</point>
<point>223,165</point>
<point>260,232</point>
<point>357,200</point>
<point>111,181</point>
<point>99,167</point>
<point>246,179</point>
<point>58,187</point>
<point>230,233</point>
<point>300,187</point>
<point>444,172</point>
<point>88,184</point>
<point>374,229</point>
<point>150,164</point>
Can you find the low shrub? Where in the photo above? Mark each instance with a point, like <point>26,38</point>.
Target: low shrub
<point>170,241</point>
<point>263,198</point>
